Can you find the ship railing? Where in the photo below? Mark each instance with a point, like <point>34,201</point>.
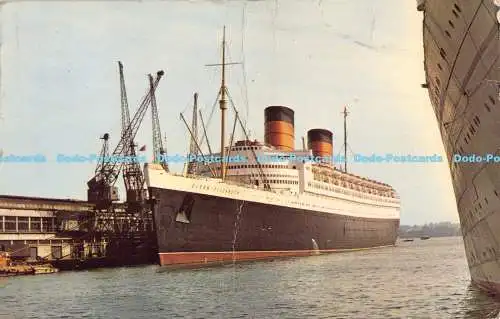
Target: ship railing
<point>206,178</point>
<point>232,182</point>
<point>360,194</point>
<point>356,194</point>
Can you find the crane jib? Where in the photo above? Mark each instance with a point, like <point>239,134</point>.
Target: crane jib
<point>110,171</point>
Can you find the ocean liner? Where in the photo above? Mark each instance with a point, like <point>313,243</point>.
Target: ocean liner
<point>264,207</point>
<point>461,49</point>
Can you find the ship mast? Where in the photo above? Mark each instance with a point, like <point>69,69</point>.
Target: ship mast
<point>345,138</point>
<point>223,103</point>
<point>223,107</point>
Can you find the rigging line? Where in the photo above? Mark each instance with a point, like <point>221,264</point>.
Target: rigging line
<point>213,110</point>
<point>261,174</point>
<point>273,72</point>
<point>350,149</point>
<point>207,124</point>
<point>215,102</point>
<point>372,25</point>
<point>188,105</point>
<point>245,82</point>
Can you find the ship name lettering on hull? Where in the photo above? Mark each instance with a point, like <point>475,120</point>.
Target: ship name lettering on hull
<point>221,190</point>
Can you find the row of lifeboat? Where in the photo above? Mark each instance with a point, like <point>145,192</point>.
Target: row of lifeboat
<point>332,176</point>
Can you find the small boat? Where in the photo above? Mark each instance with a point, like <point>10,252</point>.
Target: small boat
<point>425,237</point>
<point>8,268</point>
<point>45,269</point>
<point>16,271</point>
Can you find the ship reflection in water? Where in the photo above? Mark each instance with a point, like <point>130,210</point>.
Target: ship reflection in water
<point>479,305</point>
<point>420,279</point>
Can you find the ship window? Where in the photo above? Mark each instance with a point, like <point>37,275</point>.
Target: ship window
<point>496,193</point>
<point>436,101</point>
<point>457,7</point>
<point>451,24</point>
<point>486,200</point>
<point>447,33</point>
<point>477,119</point>
<point>438,82</point>
<point>440,67</point>
<point>455,13</point>
<point>442,52</point>
<point>492,99</point>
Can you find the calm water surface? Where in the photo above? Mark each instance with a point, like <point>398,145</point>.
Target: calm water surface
<point>420,279</point>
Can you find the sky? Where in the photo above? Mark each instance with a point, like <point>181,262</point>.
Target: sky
<point>60,86</point>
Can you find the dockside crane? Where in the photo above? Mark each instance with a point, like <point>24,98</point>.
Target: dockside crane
<point>133,176</point>
<point>103,154</point>
<point>159,150</point>
<point>101,190</point>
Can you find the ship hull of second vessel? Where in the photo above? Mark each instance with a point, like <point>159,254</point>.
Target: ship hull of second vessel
<point>462,74</point>
<point>195,228</point>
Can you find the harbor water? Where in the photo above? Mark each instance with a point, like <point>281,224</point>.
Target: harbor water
<point>419,279</point>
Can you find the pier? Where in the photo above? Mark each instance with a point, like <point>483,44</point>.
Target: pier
<point>72,234</point>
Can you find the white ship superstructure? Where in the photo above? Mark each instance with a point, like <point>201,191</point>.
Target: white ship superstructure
<point>295,172</point>
<point>462,49</point>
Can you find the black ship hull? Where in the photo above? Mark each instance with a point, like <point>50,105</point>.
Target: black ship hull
<point>195,228</point>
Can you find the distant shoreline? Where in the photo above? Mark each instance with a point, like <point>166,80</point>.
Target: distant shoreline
<point>438,236</point>
<point>443,229</point>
